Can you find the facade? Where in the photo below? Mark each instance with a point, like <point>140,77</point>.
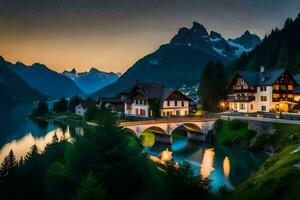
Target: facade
<point>148,99</point>
<point>81,108</point>
<point>263,91</point>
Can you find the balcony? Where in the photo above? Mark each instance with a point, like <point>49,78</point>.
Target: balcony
<point>282,91</point>
<point>232,98</point>
<point>283,99</point>
<point>244,89</point>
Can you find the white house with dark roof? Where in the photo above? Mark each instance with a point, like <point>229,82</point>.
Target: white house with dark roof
<point>137,100</point>
<point>263,91</point>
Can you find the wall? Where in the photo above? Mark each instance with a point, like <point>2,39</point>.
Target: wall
<point>183,110</point>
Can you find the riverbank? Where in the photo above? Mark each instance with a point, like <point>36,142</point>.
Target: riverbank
<point>278,177</point>
<point>61,117</point>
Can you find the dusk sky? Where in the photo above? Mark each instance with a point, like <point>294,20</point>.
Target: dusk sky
<point>113,34</point>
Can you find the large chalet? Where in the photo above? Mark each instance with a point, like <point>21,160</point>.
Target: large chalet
<point>263,91</point>
<point>137,101</point>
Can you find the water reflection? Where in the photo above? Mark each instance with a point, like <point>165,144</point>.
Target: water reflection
<point>207,163</point>
<point>22,146</point>
<point>224,166</point>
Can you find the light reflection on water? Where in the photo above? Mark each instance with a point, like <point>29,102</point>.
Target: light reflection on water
<point>224,166</point>
<point>21,146</point>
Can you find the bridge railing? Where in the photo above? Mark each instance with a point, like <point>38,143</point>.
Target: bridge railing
<point>212,116</point>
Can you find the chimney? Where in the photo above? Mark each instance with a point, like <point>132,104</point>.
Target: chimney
<point>262,69</point>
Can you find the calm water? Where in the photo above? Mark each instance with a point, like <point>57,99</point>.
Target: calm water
<point>19,133</point>
<point>224,166</point>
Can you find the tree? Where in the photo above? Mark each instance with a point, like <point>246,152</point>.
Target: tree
<point>73,103</point>
<point>42,108</point>
<point>61,106</point>
<point>212,87</point>
<point>154,105</point>
<point>9,164</point>
<point>90,189</point>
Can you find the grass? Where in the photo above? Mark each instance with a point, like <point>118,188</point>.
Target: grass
<point>227,135</point>
<point>285,135</point>
<point>276,179</point>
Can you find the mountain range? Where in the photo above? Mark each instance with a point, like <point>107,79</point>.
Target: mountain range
<point>92,80</point>
<point>45,80</point>
<point>13,88</point>
<point>181,61</point>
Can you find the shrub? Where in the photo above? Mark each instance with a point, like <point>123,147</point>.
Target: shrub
<point>259,141</point>
<point>236,124</point>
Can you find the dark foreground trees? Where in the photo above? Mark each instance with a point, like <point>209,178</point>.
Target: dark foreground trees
<point>105,163</point>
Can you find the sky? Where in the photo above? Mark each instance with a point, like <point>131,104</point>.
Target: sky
<point>112,35</point>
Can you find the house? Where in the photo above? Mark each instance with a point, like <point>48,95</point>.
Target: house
<point>151,99</point>
<point>81,108</point>
<point>263,91</point>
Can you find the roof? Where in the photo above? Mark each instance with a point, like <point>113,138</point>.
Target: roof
<point>87,103</point>
<point>151,90</point>
<point>265,78</point>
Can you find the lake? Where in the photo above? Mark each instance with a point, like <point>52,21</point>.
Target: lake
<point>223,165</point>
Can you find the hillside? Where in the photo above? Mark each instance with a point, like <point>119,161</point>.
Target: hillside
<point>13,88</point>
<point>280,49</point>
<point>46,81</point>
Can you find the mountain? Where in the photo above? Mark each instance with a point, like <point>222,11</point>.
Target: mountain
<point>13,88</point>
<point>181,61</point>
<point>91,81</point>
<point>46,81</point>
<point>280,49</point>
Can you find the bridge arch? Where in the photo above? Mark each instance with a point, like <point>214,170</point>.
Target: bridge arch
<point>129,130</point>
<point>188,126</point>
<point>155,130</point>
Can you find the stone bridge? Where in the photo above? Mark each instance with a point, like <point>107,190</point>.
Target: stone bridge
<point>197,127</point>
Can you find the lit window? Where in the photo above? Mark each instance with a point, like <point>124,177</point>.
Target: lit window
<point>263,98</point>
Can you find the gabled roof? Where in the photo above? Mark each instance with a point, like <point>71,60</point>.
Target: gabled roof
<point>152,90</point>
<point>265,78</point>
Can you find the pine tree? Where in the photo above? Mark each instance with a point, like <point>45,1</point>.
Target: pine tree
<point>9,164</point>
<point>212,87</point>
<point>90,189</point>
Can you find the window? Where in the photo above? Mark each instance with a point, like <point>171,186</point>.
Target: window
<point>275,87</point>
<point>177,113</point>
<point>263,108</point>
<point>142,112</point>
<point>168,103</point>
<point>128,106</point>
<point>290,87</point>
<point>242,106</point>
<point>175,103</point>
<point>235,106</point>
<point>251,106</point>
<point>263,98</point>
<point>136,111</point>
<point>283,87</point>
<point>263,88</point>
<point>182,103</point>
<point>186,112</point>
<point>145,102</point>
